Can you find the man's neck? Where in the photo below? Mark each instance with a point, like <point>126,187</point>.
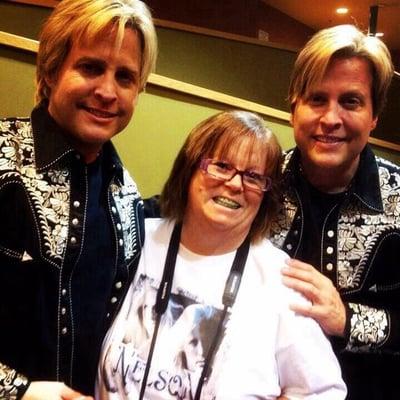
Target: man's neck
<point>330,180</point>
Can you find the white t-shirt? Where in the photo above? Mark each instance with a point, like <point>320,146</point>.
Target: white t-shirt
<point>266,349</point>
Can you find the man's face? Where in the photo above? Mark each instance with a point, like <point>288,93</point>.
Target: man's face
<point>94,93</point>
<point>333,122</point>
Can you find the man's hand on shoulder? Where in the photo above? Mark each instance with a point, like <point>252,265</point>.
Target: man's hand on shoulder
<point>326,305</point>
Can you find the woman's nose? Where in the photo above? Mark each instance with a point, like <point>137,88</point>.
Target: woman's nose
<point>236,182</point>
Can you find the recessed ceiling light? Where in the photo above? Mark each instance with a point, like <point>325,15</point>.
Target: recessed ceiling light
<point>342,10</point>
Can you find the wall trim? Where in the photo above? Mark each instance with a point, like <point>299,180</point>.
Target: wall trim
<point>18,42</point>
<point>220,34</point>
<point>218,97</point>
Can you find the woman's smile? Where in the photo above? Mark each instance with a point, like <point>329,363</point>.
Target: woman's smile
<point>225,202</point>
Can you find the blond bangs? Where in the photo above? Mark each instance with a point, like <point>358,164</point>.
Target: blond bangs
<point>86,20</point>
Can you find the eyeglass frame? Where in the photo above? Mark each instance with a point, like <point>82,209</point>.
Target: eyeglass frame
<point>205,162</point>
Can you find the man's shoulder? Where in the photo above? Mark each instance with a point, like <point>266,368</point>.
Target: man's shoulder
<point>15,132</point>
<point>287,155</point>
<point>16,144</point>
<point>12,119</point>
<point>13,125</point>
<point>389,180</point>
<point>390,166</point>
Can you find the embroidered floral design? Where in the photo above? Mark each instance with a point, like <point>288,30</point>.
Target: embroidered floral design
<point>280,226</point>
<point>52,206</point>
<point>10,383</point>
<point>124,198</point>
<point>5,126</point>
<point>369,326</point>
<point>360,229</point>
<point>393,205</point>
<point>346,238</point>
<point>49,191</point>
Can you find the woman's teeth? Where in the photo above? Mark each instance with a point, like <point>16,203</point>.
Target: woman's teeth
<point>223,201</point>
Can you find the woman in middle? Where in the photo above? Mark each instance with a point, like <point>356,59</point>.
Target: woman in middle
<point>210,252</point>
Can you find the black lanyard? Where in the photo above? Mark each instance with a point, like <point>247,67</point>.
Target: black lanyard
<point>164,291</point>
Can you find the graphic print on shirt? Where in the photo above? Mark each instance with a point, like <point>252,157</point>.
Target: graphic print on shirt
<point>186,331</point>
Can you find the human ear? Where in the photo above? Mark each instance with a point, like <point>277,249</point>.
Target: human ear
<point>374,122</point>
<point>292,111</point>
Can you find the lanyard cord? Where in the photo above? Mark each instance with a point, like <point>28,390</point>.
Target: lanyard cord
<point>228,299</point>
<point>162,298</point>
<point>164,291</point>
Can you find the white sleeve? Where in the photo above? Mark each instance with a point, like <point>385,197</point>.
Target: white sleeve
<point>307,365</point>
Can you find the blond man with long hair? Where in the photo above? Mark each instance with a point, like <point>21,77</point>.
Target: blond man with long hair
<point>71,219</point>
<point>340,217</point>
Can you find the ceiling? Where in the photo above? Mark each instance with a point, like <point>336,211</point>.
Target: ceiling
<point>319,14</point>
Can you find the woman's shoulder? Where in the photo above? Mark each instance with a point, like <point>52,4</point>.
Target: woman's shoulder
<point>157,229</point>
<point>151,224</point>
<point>264,251</point>
<point>269,261</point>
<point>265,262</point>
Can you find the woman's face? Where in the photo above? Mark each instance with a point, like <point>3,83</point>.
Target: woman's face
<point>216,206</point>
<point>194,351</point>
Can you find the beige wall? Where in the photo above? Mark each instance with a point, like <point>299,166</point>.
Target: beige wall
<point>149,144</point>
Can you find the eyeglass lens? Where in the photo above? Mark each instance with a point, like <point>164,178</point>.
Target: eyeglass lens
<point>226,172</point>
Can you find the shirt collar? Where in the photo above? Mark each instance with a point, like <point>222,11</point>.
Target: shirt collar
<point>51,145</point>
<point>112,161</point>
<point>365,184</point>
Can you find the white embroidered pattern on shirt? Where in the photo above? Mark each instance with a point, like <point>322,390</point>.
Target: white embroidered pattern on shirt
<point>368,326</point>
<point>49,191</point>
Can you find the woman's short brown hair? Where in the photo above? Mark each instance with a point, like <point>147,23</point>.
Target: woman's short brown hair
<point>222,131</point>
<point>84,20</point>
